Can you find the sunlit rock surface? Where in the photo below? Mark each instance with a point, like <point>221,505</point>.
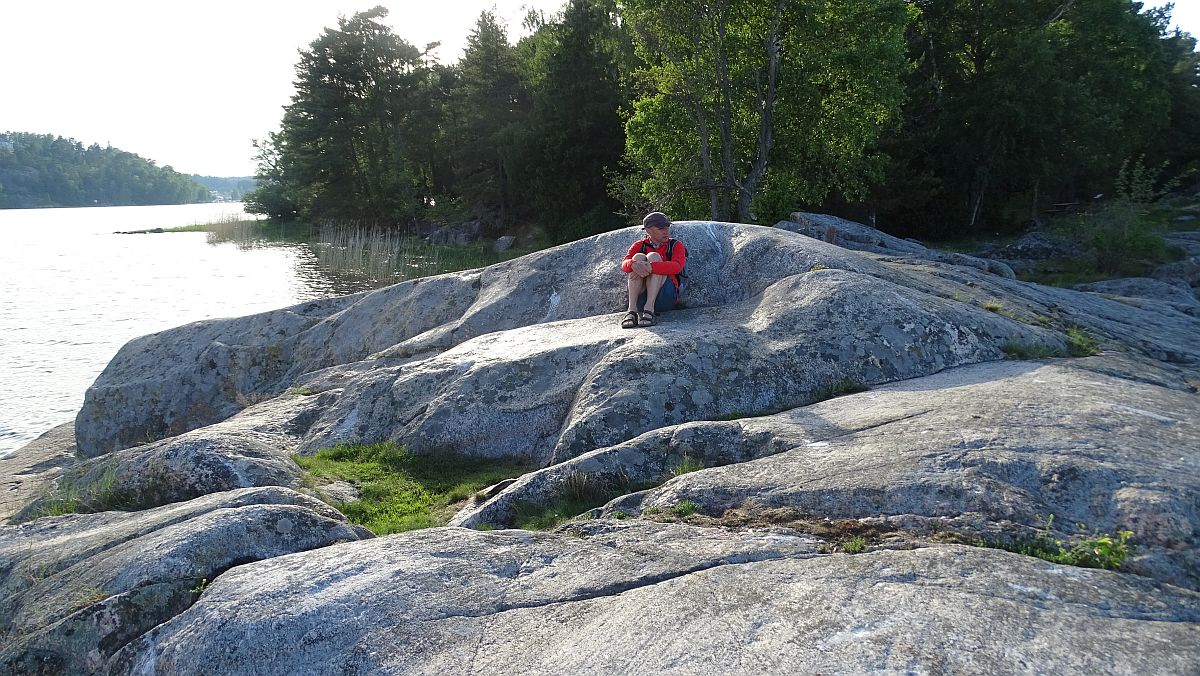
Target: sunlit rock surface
<point>951,445</point>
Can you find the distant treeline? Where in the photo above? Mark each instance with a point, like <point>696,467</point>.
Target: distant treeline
<point>230,189</point>
<point>933,117</point>
<point>42,170</point>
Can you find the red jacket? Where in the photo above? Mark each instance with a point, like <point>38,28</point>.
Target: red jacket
<point>670,268</point>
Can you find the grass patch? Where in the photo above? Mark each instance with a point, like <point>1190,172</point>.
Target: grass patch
<point>687,466</point>
<point>399,490</point>
<point>69,497</point>
<point>855,545</point>
<point>685,509</point>
<point>1080,344</point>
<point>1101,550</point>
<point>583,493</point>
<point>993,306</point>
<point>1023,351</point>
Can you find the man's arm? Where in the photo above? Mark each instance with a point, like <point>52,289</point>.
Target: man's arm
<point>627,263</point>
<point>673,266</point>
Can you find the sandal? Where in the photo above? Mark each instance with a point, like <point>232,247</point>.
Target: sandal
<point>647,319</point>
<point>630,321</point>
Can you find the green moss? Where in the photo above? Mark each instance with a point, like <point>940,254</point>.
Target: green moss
<point>399,490</point>
<point>839,389</point>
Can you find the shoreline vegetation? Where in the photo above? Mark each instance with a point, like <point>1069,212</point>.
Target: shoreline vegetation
<point>369,257</point>
<point>1123,237</point>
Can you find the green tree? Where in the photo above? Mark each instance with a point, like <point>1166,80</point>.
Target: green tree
<point>756,107</point>
<point>573,67</point>
<point>1014,102</point>
<point>353,143</point>
<point>43,170</point>
<point>488,104</point>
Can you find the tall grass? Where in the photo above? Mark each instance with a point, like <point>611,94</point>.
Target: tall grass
<point>383,257</point>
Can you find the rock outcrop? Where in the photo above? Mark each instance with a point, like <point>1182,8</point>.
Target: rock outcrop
<point>736,567</point>
<point>78,587</point>
<point>618,598</point>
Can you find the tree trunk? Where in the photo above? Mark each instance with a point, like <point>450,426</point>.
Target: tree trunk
<point>766,119</point>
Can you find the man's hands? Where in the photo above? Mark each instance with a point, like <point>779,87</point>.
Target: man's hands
<point>641,268</point>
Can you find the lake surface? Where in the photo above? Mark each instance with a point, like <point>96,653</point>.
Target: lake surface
<point>72,292</point>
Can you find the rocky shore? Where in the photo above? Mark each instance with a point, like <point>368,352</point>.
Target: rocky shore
<point>923,404</point>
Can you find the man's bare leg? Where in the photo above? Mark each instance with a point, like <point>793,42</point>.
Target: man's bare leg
<point>654,284</point>
<point>637,284</point>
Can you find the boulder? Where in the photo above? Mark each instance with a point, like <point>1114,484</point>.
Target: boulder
<point>953,444</point>
<point>250,449</point>
<point>621,597</point>
<point>861,237</point>
<point>503,243</point>
<point>553,391</point>
<point>217,368</point>
<point>76,588</point>
<point>459,234</point>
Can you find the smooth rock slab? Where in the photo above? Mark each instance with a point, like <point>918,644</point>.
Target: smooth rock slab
<point>554,391</point>
<point>75,588</point>
<point>646,598</point>
<point>988,451</point>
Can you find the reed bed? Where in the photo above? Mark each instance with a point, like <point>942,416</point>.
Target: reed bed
<point>381,257</point>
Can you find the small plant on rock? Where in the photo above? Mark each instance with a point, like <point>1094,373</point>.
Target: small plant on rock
<point>855,545</point>
<point>1014,350</point>
<point>687,466</point>
<point>1080,344</point>
<point>685,509</point>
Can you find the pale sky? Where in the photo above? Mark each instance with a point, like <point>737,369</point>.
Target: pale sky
<point>190,84</point>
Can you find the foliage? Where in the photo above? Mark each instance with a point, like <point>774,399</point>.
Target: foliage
<point>355,141</point>
<point>938,118</point>
<point>41,170</point>
<point>754,107</point>
<point>1100,550</point>
<point>1003,142</point>
<point>399,490</point>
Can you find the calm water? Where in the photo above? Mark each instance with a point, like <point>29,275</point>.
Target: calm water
<point>72,292</point>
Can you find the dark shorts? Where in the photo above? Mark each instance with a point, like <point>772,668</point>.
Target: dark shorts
<point>665,300</point>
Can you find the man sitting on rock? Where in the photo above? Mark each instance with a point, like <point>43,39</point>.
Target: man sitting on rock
<point>652,268</point>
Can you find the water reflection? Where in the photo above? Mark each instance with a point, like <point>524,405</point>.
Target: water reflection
<point>338,259</point>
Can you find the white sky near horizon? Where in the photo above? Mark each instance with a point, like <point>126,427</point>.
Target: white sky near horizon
<point>190,84</point>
